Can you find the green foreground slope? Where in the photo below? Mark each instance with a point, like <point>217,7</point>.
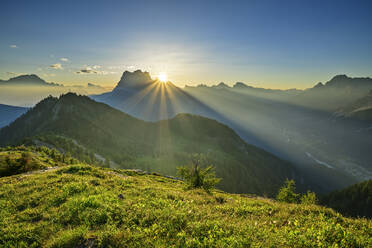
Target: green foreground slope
<point>86,206</point>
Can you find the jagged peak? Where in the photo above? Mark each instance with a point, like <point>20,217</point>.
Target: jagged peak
<point>135,78</point>
<point>341,76</point>
<point>221,85</point>
<point>241,85</point>
<point>343,80</point>
<point>136,73</point>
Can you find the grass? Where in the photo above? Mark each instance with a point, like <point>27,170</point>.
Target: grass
<point>86,206</point>
<point>21,159</point>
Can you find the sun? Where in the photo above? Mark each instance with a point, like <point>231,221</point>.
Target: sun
<point>162,77</point>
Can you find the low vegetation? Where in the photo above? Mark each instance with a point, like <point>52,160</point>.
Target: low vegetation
<point>196,176</point>
<point>86,206</point>
<point>25,159</point>
<point>288,194</point>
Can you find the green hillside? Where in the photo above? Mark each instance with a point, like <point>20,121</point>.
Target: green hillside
<point>26,159</point>
<point>355,200</point>
<point>87,206</point>
<point>92,131</point>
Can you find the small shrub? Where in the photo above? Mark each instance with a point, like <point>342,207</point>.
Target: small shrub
<point>26,159</point>
<point>197,177</point>
<point>287,192</point>
<point>220,199</point>
<point>309,198</point>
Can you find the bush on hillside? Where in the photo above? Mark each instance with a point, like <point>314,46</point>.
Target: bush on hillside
<point>198,177</point>
<point>11,165</point>
<point>21,159</point>
<point>287,192</point>
<point>309,198</point>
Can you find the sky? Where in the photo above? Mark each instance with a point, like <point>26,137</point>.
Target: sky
<point>271,44</point>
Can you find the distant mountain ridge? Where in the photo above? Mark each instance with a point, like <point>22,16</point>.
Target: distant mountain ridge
<point>29,80</point>
<point>27,90</point>
<point>343,81</point>
<point>242,86</point>
<point>340,91</point>
<point>10,113</point>
<point>335,93</point>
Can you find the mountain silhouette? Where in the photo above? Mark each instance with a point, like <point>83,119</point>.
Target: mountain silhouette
<point>27,80</point>
<point>139,95</point>
<point>27,90</point>
<point>340,91</point>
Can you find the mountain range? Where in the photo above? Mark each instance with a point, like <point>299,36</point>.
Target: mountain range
<point>340,91</point>
<point>26,80</point>
<point>292,124</point>
<point>27,90</point>
<point>71,122</point>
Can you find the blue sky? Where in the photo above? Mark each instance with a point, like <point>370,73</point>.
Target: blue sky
<point>277,44</point>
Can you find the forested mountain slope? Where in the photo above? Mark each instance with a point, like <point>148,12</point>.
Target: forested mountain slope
<point>355,200</point>
<point>161,146</point>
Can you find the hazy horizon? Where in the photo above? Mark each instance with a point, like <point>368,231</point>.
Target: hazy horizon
<point>109,87</point>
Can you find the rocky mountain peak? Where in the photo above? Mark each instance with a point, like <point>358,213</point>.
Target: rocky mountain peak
<point>134,79</point>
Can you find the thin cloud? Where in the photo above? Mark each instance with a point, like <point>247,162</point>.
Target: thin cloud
<point>64,59</point>
<point>57,66</point>
<point>93,70</point>
<point>87,70</point>
<point>10,73</point>
<point>13,46</point>
<point>49,75</point>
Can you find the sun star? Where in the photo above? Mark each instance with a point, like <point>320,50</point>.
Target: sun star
<point>162,77</point>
